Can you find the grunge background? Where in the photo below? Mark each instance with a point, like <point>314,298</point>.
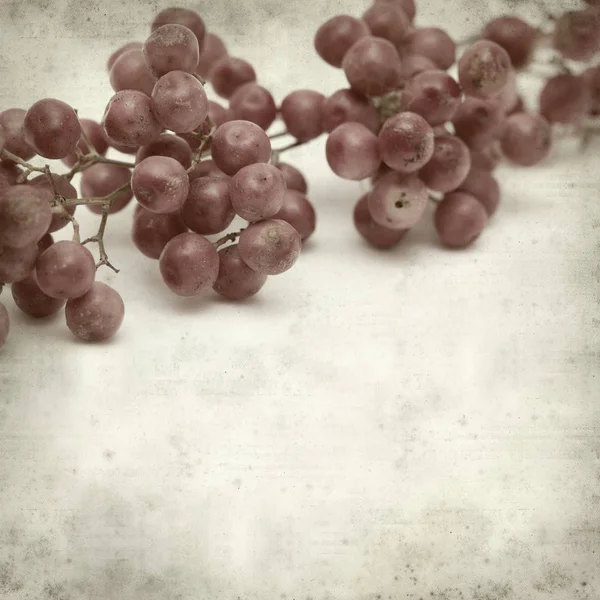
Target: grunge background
<point>419,424</point>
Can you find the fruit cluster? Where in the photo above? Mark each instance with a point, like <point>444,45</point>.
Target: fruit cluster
<point>197,167</point>
<point>404,123</point>
<point>420,134</point>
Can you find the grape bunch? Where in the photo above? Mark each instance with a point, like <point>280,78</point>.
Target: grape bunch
<point>417,133</point>
<point>198,166</point>
<point>423,119</point>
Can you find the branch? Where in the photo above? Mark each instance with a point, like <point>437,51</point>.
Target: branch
<point>277,152</point>
<point>29,168</point>
<point>89,160</point>
<point>99,239</point>
<point>111,161</point>
<point>103,200</point>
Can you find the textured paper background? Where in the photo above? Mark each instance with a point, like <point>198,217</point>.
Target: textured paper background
<point>414,424</point>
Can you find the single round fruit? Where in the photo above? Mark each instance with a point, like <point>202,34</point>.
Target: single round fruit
<point>577,34</point>
<point>17,263</point>
<point>448,166</point>
<point>207,209</point>
<point>565,98</point>
<point>25,215</point>
<point>387,21</point>
<point>336,36</point>
<point>129,120</point>
<point>298,212</point>
<point>516,36</point>
<point>151,232</point>
<point>237,144</point>
<point>408,6</point>
<point>372,66</point>
<point>171,47</point>
<point>406,142</point>
<point>301,112</point>
<point>433,43</point>
<point>44,244</point>
<point>112,59</point>
<point>484,69</point>
<point>526,139</point>
<point>230,73</point>
<point>212,50</point>
<point>179,102</point>
<point>131,72</point>
<point>65,270</point>
<point>348,105</point>
<point>103,179</point>
<point>236,280</point>
<point>484,187</point>
<point>434,95</point>
<point>182,16</point>
<point>160,184</point>
<point>51,128</point>
<point>189,264</point>
<point>270,247</point>
<point>11,121</point>
<point>257,191</point>
<point>31,300</point>
<point>459,219</point>
<point>97,315</point>
<point>478,122</point>
<point>375,234</point>
<point>169,145</point>
<point>294,178</point>
<point>398,200</point>
<point>252,102</point>
<point>352,151</point>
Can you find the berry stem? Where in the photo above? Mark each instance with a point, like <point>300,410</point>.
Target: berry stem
<point>99,238</point>
<point>230,237</point>
<point>197,156</point>
<point>28,166</point>
<point>112,161</point>
<point>276,152</point>
<point>274,136</point>
<point>290,146</point>
<point>468,40</point>
<point>60,200</point>
<point>103,200</point>
<point>88,160</point>
<point>91,149</point>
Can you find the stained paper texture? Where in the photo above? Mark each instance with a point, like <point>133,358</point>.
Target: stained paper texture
<point>413,424</point>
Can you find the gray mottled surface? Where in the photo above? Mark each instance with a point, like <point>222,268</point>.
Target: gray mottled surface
<point>418,424</point>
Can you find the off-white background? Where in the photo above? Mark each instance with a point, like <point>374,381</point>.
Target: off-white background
<point>413,424</point>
